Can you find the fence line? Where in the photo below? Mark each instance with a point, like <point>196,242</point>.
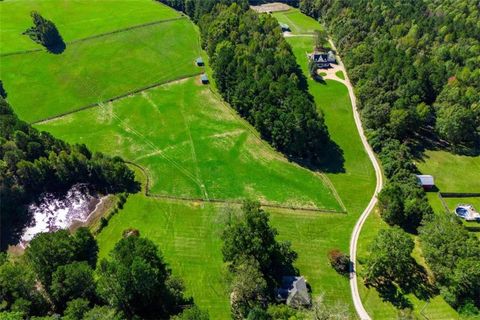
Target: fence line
<point>147,193</point>
<point>100,35</point>
<point>135,91</point>
<point>443,202</point>
<point>459,194</point>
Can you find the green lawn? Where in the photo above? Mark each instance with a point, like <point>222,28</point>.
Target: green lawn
<point>40,84</point>
<point>452,173</point>
<point>193,146</point>
<point>297,21</point>
<point>75,19</point>
<point>340,75</point>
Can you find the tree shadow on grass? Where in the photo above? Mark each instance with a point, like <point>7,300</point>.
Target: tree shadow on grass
<point>417,282</point>
<point>332,160</point>
<point>58,47</point>
<point>388,291</point>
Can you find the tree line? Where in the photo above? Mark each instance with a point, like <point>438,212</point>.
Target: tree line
<point>58,277</point>
<point>257,74</point>
<point>34,162</point>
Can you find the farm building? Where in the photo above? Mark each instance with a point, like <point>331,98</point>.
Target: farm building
<point>294,292</point>
<point>285,27</point>
<point>204,78</point>
<point>323,60</point>
<point>426,181</point>
<point>200,62</point>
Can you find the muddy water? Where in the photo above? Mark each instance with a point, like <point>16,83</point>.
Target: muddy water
<point>53,213</point>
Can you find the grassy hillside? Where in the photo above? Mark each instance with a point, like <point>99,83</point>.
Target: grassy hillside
<point>193,146</point>
<point>41,85</point>
<point>75,19</point>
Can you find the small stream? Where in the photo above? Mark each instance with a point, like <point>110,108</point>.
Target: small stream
<point>53,212</point>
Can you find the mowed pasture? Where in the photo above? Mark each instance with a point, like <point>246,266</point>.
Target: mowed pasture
<point>75,19</point>
<point>297,21</point>
<point>41,85</point>
<point>192,145</point>
<point>452,173</point>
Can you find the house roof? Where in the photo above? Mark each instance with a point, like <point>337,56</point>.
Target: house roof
<point>284,26</point>
<point>204,77</point>
<point>425,180</point>
<point>199,60</point>
<point>294,290</point>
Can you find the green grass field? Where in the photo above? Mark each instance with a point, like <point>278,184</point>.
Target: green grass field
<point>74,19</point>
<point>297,21</point>
<point>452,173</point>
<point>41,85</point>
<point>184,122</point>
<point>193,146</point>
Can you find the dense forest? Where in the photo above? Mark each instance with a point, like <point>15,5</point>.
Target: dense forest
<point>415,66</point>
<point>58,277</point>
<point>34,162</point>
<point>257,74</point>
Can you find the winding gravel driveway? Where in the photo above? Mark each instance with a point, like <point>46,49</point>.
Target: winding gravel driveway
<point>362,313</point>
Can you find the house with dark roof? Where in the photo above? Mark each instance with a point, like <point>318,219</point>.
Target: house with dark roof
<point>426,181</point>
<point>323,60</point>
<point>294,292</point>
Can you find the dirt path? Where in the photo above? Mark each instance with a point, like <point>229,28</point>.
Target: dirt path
<point>362,313</point>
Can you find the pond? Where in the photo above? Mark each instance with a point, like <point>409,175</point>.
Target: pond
<point>53,212</point>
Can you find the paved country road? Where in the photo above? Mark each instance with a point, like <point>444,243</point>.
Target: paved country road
<point>357,302</point>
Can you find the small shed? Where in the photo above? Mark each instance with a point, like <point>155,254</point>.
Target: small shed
<point>426,181</point>
<point>294,292</point>
<point>200,62</point>
<point>285,27</point>
<point>204,78</point>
